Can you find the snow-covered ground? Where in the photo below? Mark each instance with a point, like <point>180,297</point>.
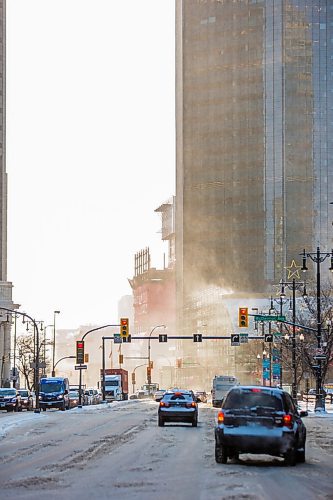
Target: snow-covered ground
<point>117,451</point>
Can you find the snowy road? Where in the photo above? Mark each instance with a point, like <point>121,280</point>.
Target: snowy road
<point>119,452</point>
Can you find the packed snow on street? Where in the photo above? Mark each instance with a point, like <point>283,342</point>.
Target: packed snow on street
<point>117,451</point>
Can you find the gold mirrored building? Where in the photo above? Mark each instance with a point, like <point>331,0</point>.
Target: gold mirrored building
<point>254,90</point>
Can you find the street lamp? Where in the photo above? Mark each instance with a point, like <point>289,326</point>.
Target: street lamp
<point>293,285</point>
<point>282,300</point>
<point>149,363</point>
<point>65,357</point>
<point>54,341</point>
<point>318,257</point>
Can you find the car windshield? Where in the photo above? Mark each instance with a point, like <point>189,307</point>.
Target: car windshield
<point>74,394</point>
<point>7,392</point>
<point>25,394</point>
<point>252,398</point>
<point>51,387</point>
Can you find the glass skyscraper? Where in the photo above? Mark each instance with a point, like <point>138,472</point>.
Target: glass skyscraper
<point>254,148</point>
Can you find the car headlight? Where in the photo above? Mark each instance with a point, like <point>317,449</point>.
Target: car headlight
<point>13,400</point>
<point>61,396</point>
<point>40,397</point>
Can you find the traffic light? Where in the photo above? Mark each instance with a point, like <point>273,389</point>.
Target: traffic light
<point>121,359</point>
<point>268,337</point>
<point>124,327</point>
<point>79,352</point>
<point>179,362</point>
<point>86,358</point>
<point>148,371</point>
<point>127,339</point>
<point>133,377</point>
<point>243,317</point>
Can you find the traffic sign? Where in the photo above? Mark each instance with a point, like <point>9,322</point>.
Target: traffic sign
<point>197,337</point>
<point>235,340</point>
<point>261,317</point>
<point>117,338</point>
<point>81,367</point>
<point>163,337</point>
<point>268,337</point>
<point>319,356</point>
<point>244,338</point>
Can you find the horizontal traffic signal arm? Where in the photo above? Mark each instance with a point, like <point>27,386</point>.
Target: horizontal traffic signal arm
<point>190,337</point>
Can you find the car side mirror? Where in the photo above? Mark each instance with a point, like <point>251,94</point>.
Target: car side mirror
<point>303,413</point>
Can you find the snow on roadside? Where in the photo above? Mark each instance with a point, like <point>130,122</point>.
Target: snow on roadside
<point>16,419</point>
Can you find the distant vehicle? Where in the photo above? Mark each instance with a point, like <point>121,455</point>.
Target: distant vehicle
<point>10,399</point>
<point>221,385</point>
<point>94,397</point>
<point>178,406</point>
<point>54,393</point>
<point>116,384</point>
<point>260,420</point>
<point>73,399</point>
<point>151,388</point>
<point>27,400</point>
<point>201,396</point>
<point>158,395</point>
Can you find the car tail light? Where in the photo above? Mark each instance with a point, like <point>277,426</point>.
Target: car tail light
<point>220,417</point>
<point>191,405</point>
<point>165,405</point>
<point>287,420</point>
<point>255,390</point>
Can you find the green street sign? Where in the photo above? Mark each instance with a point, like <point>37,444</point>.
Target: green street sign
<point>269,318</point>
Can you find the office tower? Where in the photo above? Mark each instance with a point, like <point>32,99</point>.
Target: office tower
<point>5,286</point>
<point>254,149</point>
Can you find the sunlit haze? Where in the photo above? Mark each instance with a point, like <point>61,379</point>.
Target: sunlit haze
<point>90,150</point>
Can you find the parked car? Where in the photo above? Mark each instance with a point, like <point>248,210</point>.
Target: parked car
<point>158,395</point>
<point>10,399</point>
<point>201,396</point>
<point>73,399</point>
<point>178,406</point>
<point>256,420</point>
<point>27,399</point>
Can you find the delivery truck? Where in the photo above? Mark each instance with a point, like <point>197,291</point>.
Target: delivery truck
<point>115,384</point>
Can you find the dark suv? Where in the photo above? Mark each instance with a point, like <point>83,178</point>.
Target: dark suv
<point>260,420</point>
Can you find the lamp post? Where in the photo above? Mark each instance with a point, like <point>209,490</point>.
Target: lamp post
<point>281,301</point>
<point>45,343</point>
<point>54,341</point>
<point>293,285</point>
<point>149,363</point>
<point>36,360</point>
<point>318,257</point>
<point>65,357</point>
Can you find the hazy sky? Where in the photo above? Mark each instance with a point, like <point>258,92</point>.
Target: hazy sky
<point>90,150</point>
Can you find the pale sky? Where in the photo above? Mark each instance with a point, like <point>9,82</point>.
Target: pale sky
<point>90,150</point>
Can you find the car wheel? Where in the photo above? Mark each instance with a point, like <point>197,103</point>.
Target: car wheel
<point>160,421</point>
<point>300,454</point>
<point>290,457</point>
<point>221,454</point>
<point>195,422</point>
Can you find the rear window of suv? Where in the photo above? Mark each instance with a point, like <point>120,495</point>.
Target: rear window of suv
<point>173,397</point>
<point>250,398</point>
